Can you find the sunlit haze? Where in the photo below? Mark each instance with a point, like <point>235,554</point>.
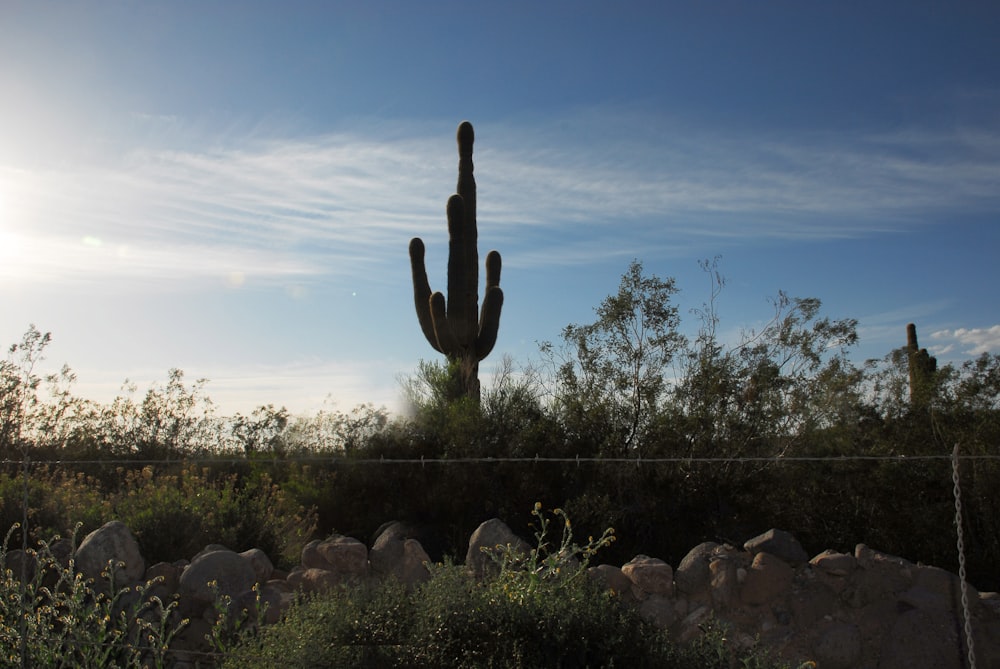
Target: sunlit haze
<point>229,188</point>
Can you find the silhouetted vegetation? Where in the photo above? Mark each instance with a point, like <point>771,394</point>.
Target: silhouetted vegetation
<point>628,388</point>
<point>455,326</point>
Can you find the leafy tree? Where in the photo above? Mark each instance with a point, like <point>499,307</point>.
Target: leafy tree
<point>763,393</point>
<point>611,375</point>
<point>38,411</point>
<point>330,430</point>
<point>262,431</point>
<point>172,420</point>
<point>19,384</point>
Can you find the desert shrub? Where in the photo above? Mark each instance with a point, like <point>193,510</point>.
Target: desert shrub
<point>56,618</point>
<point>57,501</point>
<point>174,516</point>
<point>539,610</point>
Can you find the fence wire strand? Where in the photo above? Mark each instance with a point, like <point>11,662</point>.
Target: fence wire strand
<point>337,460</point>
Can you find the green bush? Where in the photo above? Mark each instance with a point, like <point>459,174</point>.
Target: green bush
<point>173,516</point>
<point>56,618</point>
<point>58,500</point>
<point>454,622</point>
<point>540,610</point>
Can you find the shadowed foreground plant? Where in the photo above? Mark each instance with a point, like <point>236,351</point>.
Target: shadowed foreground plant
<point>57,618</point>
<point>521,575</point>
<point>538,613</point>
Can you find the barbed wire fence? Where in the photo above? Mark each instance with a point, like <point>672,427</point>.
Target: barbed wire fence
<point>25,465</point>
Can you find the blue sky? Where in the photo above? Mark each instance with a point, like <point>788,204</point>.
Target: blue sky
<point>230,187</point>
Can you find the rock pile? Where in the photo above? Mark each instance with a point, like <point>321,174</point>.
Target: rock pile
<point>866,610</point>
<point>860,610</point>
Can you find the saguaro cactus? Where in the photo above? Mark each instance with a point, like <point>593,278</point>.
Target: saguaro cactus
<point>457,328</point>
<point>922,367</point>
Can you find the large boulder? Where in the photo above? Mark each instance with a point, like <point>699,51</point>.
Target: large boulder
<point>487,538</point>
<point>346,557</point>
<point>780,544</point>
<point>219,572</point>
<point>724,581</point>
<point>924,638</point>
<point>612,578</point>
<point>397,554</point>
<point>693,573</point>
<point>112,543</point>
<point>768,577</point>
<point>652,576</point>
<point>839,646</point>
<point>260,563</point>
<point>314,579</point>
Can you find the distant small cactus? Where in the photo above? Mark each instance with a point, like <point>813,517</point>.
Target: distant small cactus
<point>457,328</point>
<point>922,368</point>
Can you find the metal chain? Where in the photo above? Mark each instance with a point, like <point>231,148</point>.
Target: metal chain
<point>961,559</point>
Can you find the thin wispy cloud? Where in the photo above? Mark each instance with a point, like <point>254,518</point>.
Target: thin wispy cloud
<point>306,385</point>
<point>339,202</point>
<point>970,341</point>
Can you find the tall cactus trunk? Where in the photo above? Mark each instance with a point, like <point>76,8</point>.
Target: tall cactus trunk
<point>456,327</point>
<point>922,367</point>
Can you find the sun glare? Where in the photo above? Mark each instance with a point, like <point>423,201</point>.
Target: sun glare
<point>12,245</point>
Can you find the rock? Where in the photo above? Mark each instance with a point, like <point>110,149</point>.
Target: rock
<point>314,579</point>
<point>651,575</point>
<point>189,644</point>
<point>690,627</point>
<point>868,558</point>
<point>724,582</point>
<point>62,550</point>
<point>693,574</point>
<point>658,610</point>
<point>780,544</point>
<point>945,585</point>
<point>260,563</point>
<point>395,554</point>
<point>811,604</point>
<point>165,573</point>
<point>834,563</point>
<point>413,568</point>
<point>210,548</point>
<point>767,578</point>
<point>22,565</point>
<point>162,580</point>
<point>310,558</point>
<point>489,535</point>
<point>839,647</point>
<point>111,543</point>
<point>868,610</point>
<point>612,578</point>
<point>230,573</point>
<point>880,576</point>
<point>265,604</point>
<point>923,639</point>
<point>387,549</point>
<point>345,556</point>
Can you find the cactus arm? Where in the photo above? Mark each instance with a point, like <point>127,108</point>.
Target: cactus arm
<point>446,341</point>
<point>489,318</point>
<point>493,265</point>
<point>489,321</point>
<point>422,292</point>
